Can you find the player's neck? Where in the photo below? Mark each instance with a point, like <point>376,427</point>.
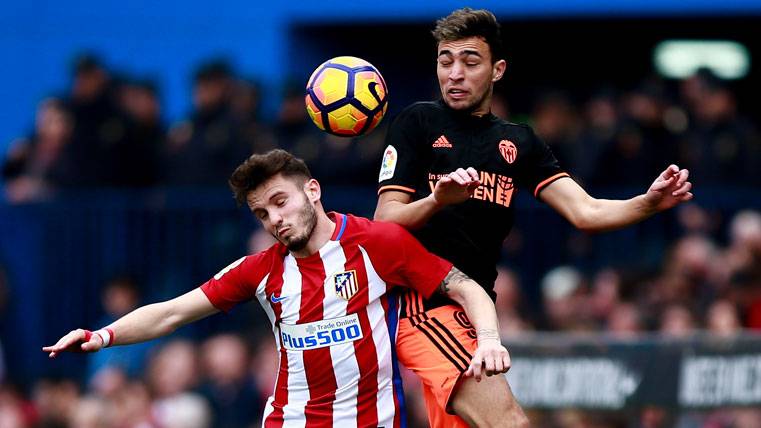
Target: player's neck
<point>484,108</point>
<point>322,233</point>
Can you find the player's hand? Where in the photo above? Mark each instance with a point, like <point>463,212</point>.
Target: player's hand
<point>76,341</point>
<point>456,187</point>
<point>490,358</point>
<point>669,189</point>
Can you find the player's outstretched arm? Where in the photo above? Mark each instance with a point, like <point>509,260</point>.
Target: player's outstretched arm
<point>589,214</point>
<point>490,356</point>
<point>144,323</point>
<point>454,188</point>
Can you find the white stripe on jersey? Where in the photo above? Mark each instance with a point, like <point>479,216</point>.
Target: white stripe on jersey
<point>268,409</point>
<point>377,316</point>
<point>345,366</point>
<point>261,296</point>
<point>298,389</point>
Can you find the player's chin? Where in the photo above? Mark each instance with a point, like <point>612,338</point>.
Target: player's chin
<point>296,243</point>
<point>459,104</point>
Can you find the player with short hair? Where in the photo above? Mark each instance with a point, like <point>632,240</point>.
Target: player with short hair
<point>450,173</point>
<point>324,286</point>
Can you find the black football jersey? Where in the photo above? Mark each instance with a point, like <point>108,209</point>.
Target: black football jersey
<point>429,140</point>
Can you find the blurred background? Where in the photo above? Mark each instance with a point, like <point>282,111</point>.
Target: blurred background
<point>122,122</point>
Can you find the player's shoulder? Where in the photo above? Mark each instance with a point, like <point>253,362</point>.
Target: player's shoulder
<point>367,230</point>
<point>519,133</point>
<point>268,257</point>
<point>520,129</point>
<point>421,109</point>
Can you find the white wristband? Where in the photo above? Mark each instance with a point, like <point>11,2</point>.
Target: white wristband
<point>105,335</point>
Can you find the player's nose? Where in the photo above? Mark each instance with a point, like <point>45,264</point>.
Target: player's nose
<point>456,72</point>
<point>275,218</point>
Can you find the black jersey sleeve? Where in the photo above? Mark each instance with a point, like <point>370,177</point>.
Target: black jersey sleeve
<point>402,159</point>
<point>540,167</point>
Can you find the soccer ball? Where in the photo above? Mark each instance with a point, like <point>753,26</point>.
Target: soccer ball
<point>346,96</point>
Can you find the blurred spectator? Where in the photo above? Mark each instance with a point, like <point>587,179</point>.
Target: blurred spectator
<point>37,166</point>
<point>510,304</point>
<point>92,412</point>
<point>55,402</point>
<point>742,260</point>
<point>120,296</point>
<point>294,130</point>
<point>205,149</point>
<point>556,121</point>
<point>15,411</point>
<point>625,321</point>
<point>245,100</point>
<point>174,369</point>
<point>677,321</point>
<point>723,319</point>
<point>185,410</point>
<point>720,147</point>
<point>691,274</point>
<point>245,103</point>
<point>605,294</point>
<point>564,299</point>
<point>654,417</point>
<point>100,128</point>
<point>173,373</point>
<point>602,122</point>
<point>228,387</point>
<point>695,220</point>
<point>641,139</point>
<point>138,164</point>
<point>133,406</point>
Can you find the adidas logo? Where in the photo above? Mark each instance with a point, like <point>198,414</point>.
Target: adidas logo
<point>442,142</point>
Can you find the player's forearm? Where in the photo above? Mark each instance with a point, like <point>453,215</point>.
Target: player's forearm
<point>481,311</point>
<point>145,323</point>
<point>602,215</point>
<point>412,215</point>
<point>475,301</point>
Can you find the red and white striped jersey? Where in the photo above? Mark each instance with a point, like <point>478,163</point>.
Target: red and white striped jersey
<point>334,321</point>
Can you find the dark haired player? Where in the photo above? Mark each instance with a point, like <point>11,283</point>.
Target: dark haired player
<point>450,173</point>
<point>324,287</point>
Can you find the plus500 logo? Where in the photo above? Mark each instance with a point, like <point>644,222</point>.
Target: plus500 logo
<point>320,334</point>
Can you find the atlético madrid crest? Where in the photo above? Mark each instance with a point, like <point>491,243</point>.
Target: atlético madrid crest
<point>346,284</point>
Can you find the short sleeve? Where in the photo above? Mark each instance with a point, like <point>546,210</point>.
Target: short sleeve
<point>237,282</point>
<point>402,159</point>
<point>400,259</point>
<point>540,167</point>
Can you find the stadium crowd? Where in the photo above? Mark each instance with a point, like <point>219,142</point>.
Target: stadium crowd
<point>108,131</point>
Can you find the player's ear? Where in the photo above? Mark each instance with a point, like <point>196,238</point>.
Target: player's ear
<point>498,70</point>
<point>312,190</point>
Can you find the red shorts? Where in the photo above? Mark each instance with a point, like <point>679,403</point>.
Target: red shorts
<point>438,345</point>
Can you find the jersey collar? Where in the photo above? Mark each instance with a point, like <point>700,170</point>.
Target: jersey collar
<point>340,220</point>
<point>464,117</point>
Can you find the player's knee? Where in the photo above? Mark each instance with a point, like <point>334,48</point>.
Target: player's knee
<point>512,417</point>
<point>520,420</point>
<point>501,415</point>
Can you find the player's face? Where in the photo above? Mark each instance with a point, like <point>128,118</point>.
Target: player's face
<point>467,75</point>
<point>286,209</point>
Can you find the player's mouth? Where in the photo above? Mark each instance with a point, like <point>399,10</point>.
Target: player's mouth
<point>282,231</point>
<point>457,93</point>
